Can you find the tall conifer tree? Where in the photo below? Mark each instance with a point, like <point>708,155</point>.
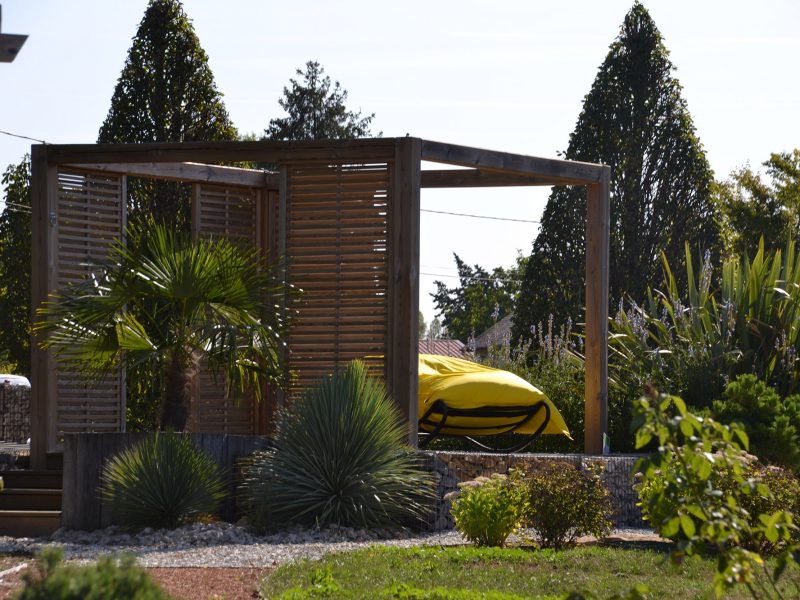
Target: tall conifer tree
<point>165,93</point>
<point>634,120</point>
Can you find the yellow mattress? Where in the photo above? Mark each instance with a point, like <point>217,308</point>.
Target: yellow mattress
<point>463,384</point>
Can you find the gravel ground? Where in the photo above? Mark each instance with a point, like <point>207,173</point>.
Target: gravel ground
<point>226,545</point>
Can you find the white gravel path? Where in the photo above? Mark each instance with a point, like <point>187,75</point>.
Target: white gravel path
<point>225,545</point>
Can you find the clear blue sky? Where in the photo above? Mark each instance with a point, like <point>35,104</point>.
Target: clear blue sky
<point>504,75</point>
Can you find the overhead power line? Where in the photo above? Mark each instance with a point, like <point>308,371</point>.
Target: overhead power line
<point>22,137</point>
<point>456,214</point>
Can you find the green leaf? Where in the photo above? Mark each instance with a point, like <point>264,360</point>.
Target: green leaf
<point>671,527</point>
<point>687,525</point>
<point>643,438</point>
<point>744,439</point>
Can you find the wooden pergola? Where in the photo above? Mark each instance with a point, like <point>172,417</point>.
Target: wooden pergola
<point>346,216</point>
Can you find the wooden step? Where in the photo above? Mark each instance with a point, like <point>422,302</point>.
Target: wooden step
<point>30,499</point>
<point>31,479</point>
<point>29,523</point>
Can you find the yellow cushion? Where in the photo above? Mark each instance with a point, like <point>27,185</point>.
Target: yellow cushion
<point>464,384</point>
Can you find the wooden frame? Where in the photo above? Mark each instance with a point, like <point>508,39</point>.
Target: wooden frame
<point>191,163</point>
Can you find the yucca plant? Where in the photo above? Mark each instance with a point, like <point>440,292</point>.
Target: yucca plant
<point>161,482</point>
<point>338,458</point>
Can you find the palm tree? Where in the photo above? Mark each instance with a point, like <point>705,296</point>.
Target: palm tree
<point>174,302</point>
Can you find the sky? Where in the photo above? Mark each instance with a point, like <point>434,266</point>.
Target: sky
<point>505,75</point>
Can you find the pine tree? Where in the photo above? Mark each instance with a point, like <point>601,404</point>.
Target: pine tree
<point>317,111</point>
<point>165,93</point>
<point>634,120</point>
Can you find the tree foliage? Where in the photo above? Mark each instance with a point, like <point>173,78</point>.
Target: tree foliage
<point>753,208</point>
<point>15,269</point>
<point>165,93</point>
<point>480,299</point>
<point>316,110</point>
<point>634,120</point>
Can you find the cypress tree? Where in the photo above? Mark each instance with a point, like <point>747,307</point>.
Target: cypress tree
<point>634,120</point>
<point>165,93</point>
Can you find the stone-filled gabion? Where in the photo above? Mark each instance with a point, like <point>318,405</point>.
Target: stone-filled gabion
<point>449,468</point>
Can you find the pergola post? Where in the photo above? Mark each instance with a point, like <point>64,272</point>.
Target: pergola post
<point>43,259</point>
<point>598,219</point>
<point>404,282</point>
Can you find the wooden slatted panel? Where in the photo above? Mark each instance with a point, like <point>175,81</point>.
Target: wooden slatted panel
<point>90,216</point>
<point>227,212</point>
<point>231,213</point>
<point>336,244</point>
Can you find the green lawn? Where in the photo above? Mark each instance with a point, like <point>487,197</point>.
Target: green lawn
<point>468,573</point>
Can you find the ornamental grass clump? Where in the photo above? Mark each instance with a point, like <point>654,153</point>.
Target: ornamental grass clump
<point>565,503</point>
<point>488,509</point>
<point>161,482</point>
<point>338,458</point>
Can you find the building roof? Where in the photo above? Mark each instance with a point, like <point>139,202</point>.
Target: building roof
<point>452,348</point>
<point>496,333</point>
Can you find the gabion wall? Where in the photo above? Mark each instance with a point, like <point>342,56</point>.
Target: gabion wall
<point>450,468</point>
<point>15,413</point>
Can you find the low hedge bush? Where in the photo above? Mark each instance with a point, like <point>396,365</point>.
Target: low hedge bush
<point>772,423</point>
<point>564,503</point>
<point>488,509</point>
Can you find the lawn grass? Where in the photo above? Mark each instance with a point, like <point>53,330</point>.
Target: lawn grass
<point>435,573</point>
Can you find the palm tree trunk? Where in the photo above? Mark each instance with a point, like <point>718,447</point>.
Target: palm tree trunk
<point>179,376</point>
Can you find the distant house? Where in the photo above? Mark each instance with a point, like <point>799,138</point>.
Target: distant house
<point>452,348</point>
<point>496,335</point>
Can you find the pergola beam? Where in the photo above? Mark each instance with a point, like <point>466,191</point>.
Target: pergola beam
<point>188,172</point>
<point>460,178</point>
<point>557,172</point>
<point>381,149</point>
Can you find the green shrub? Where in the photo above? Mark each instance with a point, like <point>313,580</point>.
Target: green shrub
<point>488,509</point>
<point>771,422</point>
<point>161,482</point>
<point>107,579</point>
<point>338,458</point>
<point>784,495</point>
<point>564,503</point>
<point>698,480</point>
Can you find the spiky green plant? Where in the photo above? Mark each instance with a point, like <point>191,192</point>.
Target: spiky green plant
<point>338,458</point>
<point>161,482</point>
<point>695,342</point>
